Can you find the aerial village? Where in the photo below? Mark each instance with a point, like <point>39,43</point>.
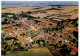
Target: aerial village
<point>30,27</point>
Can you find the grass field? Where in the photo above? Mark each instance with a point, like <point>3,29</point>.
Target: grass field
<point>31,52</point>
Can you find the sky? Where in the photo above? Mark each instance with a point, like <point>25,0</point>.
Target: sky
<point>40,2</point>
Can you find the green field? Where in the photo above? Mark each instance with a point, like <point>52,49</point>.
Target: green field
<point>43,51</point>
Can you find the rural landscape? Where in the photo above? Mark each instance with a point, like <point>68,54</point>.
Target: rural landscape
<point>39,28</point>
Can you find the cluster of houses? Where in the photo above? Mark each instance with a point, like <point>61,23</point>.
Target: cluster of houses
<point>30,31</point>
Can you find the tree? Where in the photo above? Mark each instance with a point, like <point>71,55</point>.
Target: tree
<point>65,52</point>
<point>43,42</point>
<point>50,24</point>
<point>36,21</point>
<point>3,43</point>
<point>4,22</point>
<point>58,25</point>
<point>59,7</point>
<point>74,40</point>
<point>14,17</point>
<point>38,41</point>
<point>3,52</point>
<point>29,12</point>
<point>22,12</point>
<point>75,34</point>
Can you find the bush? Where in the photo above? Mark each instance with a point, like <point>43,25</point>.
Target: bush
<point>4,22</point>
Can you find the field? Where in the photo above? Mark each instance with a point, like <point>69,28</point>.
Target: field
<point>31,52</point>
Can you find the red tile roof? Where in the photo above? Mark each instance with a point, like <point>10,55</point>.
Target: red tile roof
<point>12,24</point>
<point>37,38</point>
<point>12,35</point>
<point>20,38</point>
<point>75,49</point>
<point>26,42</point>
<point>57,37</point>
<point>46,34</point>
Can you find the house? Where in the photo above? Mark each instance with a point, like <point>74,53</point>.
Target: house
<point>75,49</point>
<point>12,24</point>
<point>58,38</point>
<point>19,33</point>
<point>10,15</point>
<point>26,42</point>
<point>66,41</point>
<point>20,38</point>
<point>12,35</point>
<point>45,34</point>
<point>37,38</point>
